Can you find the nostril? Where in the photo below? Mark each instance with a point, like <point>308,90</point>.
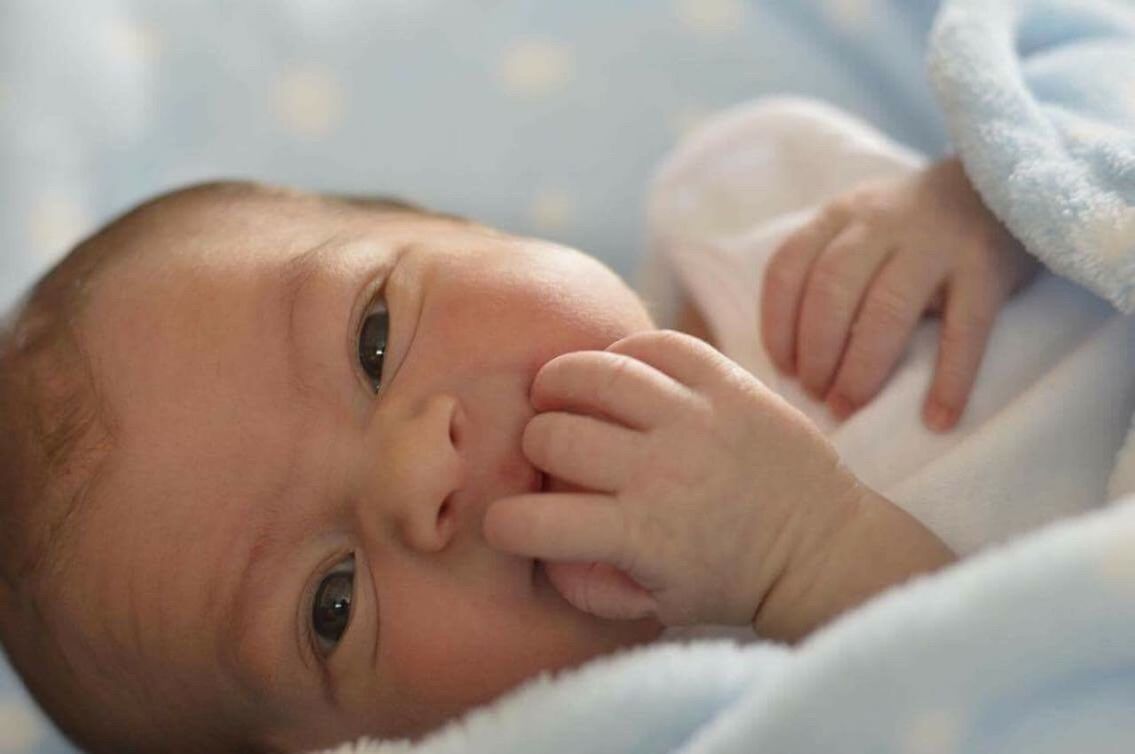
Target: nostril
<point>445,511</point>
<point>456,420</point>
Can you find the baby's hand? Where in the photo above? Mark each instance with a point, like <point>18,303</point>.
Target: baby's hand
<point>843,294</point>
<point>699,483</point>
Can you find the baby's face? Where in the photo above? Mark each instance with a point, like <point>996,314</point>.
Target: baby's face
<point>277,542</point>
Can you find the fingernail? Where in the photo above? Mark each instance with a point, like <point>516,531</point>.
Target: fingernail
<point>840,406</point>
<point>939,417</point>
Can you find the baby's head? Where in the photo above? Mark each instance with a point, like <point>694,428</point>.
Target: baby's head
<point>247,439</point>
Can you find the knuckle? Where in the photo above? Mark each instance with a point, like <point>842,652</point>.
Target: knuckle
<point>688,346</point>
<point>887,307</point>
<point>838,210</point>
<point>828,284</point>
<point>614,380</point>
<point>968,329</point>
<point>670,339</point>
<point>870,209</point>
<point>644,343</point>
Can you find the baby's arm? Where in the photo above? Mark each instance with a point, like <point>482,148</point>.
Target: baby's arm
<point>720,501</point>
<point>841,296</point>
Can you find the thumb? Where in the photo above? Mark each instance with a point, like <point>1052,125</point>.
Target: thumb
<point>601,590</point>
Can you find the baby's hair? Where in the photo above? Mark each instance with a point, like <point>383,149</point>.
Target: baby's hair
<point>57,437</point>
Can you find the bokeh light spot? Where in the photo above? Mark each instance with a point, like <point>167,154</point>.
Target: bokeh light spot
<point>20,729</point>
<point>551,209</point>
<point>536,67</point>
<point>56,222</point>
<point>849,15</point>
<point>309,101</point>
<point>712,18</point>
<point>1116,566</point>
<point>932,731</point>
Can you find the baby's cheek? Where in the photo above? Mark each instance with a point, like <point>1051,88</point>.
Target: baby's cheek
<point>447,652</point>
<point>438,663</point>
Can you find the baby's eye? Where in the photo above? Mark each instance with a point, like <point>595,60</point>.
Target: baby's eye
<point>372,342</point>
<point>331,608</point>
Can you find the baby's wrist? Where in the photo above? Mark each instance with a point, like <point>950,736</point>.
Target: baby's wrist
<point>871,545</point>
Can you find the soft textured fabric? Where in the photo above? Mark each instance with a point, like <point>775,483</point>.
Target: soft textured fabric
<point>1039,97</point>
<point>1048,414</point>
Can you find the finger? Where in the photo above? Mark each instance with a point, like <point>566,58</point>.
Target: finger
<point>836,285</point>
<point>558,526</point>
<point>614,385</point>
<point>582,450</point>
<point>601,590</point>
<point>783,284</point>
<point>689,361</point>
<point>894,304</point>
<point>971,310</point>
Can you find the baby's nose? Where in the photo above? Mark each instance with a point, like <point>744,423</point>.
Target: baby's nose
<point>426,471</point>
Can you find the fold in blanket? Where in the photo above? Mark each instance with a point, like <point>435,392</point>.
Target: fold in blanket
<point>1039,98</point>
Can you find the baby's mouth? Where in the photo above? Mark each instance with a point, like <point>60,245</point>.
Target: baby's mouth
<point>539,575</point>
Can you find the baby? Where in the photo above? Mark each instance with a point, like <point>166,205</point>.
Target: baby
<point>279,470</point>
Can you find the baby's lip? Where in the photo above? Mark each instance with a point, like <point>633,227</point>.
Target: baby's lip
<point>539,576</point>
<point>538,482</point>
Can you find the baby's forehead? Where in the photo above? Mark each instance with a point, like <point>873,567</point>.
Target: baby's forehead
<point>213,225</point>
<point>219,236</point>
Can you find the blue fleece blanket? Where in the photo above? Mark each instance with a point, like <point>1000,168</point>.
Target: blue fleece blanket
<point>1027,648</point>
<point>1040,101</point>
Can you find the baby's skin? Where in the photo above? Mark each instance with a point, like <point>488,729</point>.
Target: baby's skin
<point>721,502</point>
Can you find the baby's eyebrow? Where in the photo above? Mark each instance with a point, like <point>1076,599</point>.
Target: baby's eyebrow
<point>291,281</point>
<point>253,593</point>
